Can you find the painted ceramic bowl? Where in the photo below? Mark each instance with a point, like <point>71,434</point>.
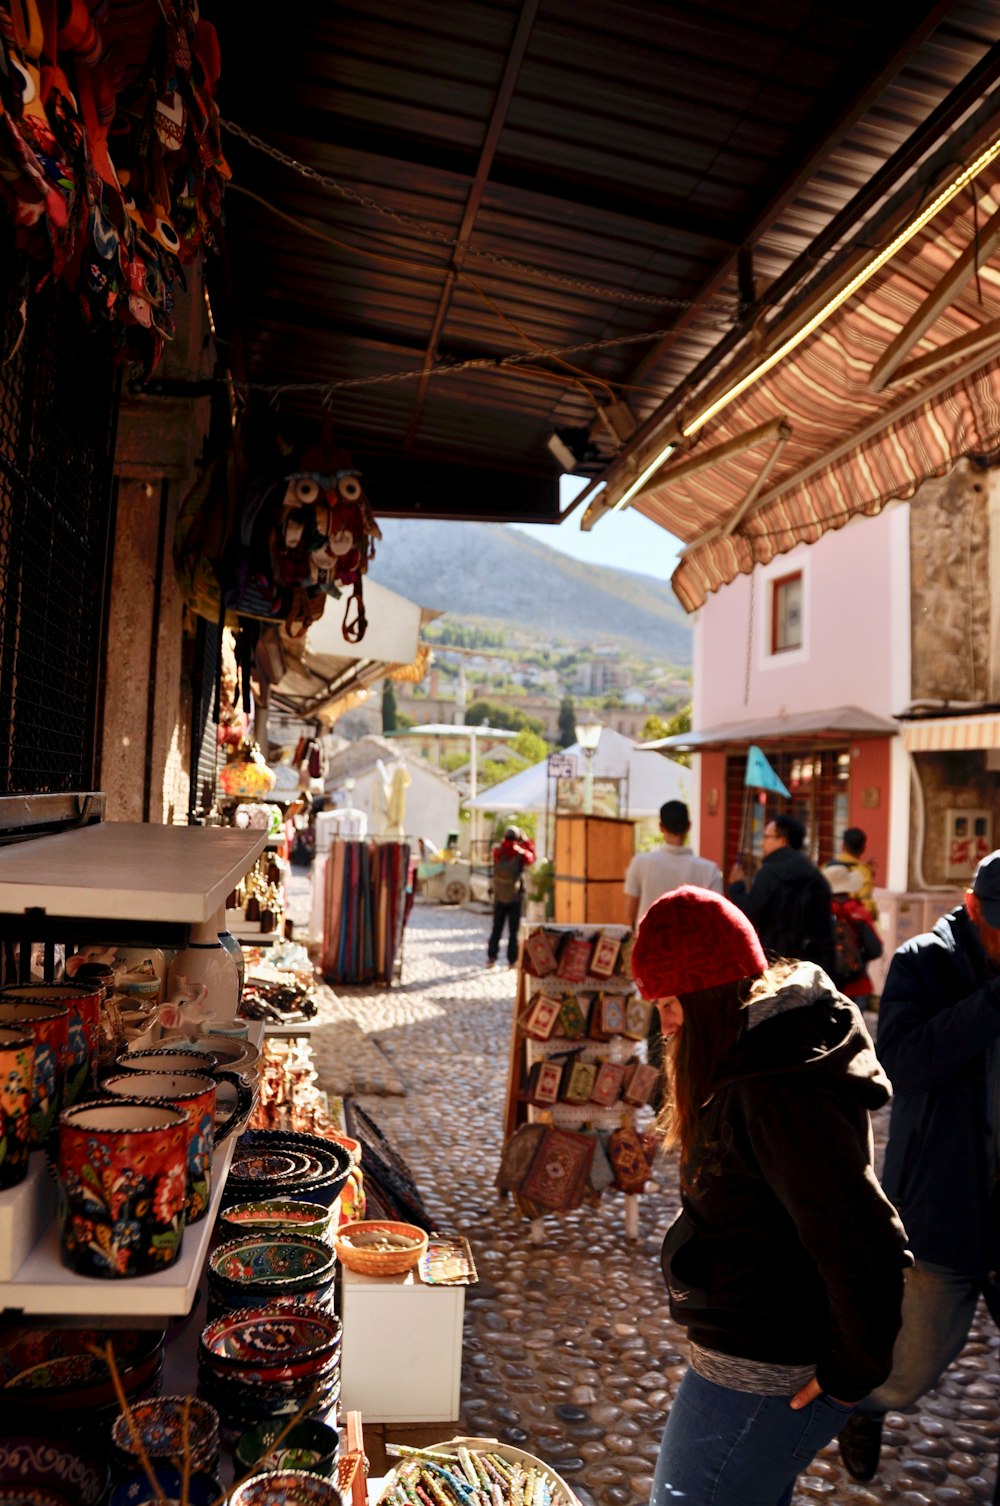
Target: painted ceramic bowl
<point>331,1164</point>
<point>54,1370</point>
<point>279,1215</point>
<point>232,1053</point>
<point>244,1407</point>
<point>284,1259</point>
<point>270,1168</point>
<point>271,1342</point>
<point>162,1430</point>
<point>41,1470</point>
<point>203,1489</point>
<point>286,1487</point>
<point>309,1445</point>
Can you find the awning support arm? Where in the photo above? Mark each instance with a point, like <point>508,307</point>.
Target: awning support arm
<point>978,251</point>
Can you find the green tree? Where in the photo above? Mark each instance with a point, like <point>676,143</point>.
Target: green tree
<point>655,727</point>
<point>496,714</point>
<point>390,716</point>
<point>567,722</point>
<point>530,746</point>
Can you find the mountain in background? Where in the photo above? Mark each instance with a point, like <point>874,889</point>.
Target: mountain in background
<point>491,573</point>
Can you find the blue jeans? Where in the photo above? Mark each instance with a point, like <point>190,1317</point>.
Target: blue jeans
<point>734,1448</point>
<point>938,1308</point>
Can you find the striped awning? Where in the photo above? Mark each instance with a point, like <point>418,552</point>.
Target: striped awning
<point>858,416</point>
<point>952,734</point>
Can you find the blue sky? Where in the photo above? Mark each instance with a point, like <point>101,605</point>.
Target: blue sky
<point>627,541</point>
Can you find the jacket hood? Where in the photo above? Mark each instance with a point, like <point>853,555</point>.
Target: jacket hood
<point>807,1026</point>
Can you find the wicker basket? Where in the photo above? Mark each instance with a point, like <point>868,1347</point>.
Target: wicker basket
<point>379,1262</point>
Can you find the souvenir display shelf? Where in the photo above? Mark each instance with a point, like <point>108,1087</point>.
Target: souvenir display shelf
<point>69,884</point>
<point>44,1287</point>
<point>525,1051</point>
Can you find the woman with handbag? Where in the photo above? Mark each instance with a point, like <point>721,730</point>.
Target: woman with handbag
<point>786,1262</point>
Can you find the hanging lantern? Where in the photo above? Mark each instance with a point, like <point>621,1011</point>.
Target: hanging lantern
<point>246,774</point>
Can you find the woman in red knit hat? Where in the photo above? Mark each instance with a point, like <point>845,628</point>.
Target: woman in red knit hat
<point>786,1262</point>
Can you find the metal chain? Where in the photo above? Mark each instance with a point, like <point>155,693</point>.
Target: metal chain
<point>420,227</point>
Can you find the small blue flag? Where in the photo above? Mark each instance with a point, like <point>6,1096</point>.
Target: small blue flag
<point>760,775</point>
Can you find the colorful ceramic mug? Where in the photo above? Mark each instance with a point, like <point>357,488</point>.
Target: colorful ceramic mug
<point>123,1169</point>
<point>49,1026</point>
<point>167,1059</point>
<point>17,1061</point>
<point>196,1097</point>
<point>83,1000</point>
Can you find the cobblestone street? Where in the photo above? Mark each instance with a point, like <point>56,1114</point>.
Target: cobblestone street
<point>569,1351</point>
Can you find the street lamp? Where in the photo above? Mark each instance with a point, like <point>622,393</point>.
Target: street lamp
<point>588,735</point>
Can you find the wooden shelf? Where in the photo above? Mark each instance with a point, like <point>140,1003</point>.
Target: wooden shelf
<point>128,871</point>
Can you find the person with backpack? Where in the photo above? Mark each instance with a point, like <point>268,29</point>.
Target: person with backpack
<point>855,940</point>
<point>510,858</point>
<point>789,902</point>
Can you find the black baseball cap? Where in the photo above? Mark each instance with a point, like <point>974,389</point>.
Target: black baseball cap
<point>986,888</point>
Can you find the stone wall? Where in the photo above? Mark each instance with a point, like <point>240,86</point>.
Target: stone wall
<point>950,587</point>
<point>145,751</point>
<point>954,556</point>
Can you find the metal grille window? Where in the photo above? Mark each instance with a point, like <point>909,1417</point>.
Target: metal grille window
<point>57,409</point>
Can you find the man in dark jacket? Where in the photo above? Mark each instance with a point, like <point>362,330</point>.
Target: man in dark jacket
<point>939,1041</point>
<point>788,903</point>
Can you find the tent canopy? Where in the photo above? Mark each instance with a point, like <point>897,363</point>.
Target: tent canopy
<point>650,781</point>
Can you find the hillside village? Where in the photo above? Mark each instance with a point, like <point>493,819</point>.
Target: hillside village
<point>517,632</point>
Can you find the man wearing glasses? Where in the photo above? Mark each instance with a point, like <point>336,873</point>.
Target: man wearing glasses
<point>789,901</point>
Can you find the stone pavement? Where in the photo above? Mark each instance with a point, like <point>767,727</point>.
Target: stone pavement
<point>569,1350</point>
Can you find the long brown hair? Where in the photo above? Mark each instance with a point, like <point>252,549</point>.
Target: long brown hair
<point>710,1031</point>
<point>713,1020</point>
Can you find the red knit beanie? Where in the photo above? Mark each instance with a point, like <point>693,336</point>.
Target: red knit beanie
<point>693,939</point>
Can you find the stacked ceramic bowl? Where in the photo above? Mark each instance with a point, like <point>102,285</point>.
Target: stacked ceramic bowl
<point>258,1266</point>
<point>271,1361</point>
<point>51,1380</point>
<point>285,1215</point>
<point>168,1428</point>
<point>279,1164</point>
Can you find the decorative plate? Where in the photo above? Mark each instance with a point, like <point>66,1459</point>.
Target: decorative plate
<point>37,1469</point>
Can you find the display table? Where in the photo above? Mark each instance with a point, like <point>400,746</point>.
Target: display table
<point>401,1359</point>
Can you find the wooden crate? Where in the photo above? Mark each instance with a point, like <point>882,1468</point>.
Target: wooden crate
<point>591,856</point>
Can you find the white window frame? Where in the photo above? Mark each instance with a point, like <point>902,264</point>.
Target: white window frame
<point>783,565</point>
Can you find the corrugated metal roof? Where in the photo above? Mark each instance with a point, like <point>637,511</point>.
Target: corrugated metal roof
<point>620,154</point>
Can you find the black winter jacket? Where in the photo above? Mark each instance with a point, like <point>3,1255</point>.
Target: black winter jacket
<point>787,1250</point>
<point>788,905</point>
<point>939,1022</point>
